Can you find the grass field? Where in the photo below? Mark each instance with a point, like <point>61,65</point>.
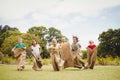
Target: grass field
<point>9,72</point>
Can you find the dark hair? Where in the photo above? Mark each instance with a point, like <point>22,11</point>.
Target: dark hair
<point>76,38</point>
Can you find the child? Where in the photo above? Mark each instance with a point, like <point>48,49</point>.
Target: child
<point>20,54</point>
<point>57,62</point>
<point>91,54</point>
<point>76,53</point>
<point>36,50</point>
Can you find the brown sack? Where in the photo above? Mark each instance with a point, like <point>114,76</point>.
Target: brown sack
<point>65,53</point>
<point>18,52</point>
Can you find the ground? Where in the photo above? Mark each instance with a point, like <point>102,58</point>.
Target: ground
<point>9,72</point>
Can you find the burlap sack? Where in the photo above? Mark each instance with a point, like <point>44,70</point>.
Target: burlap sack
<point>53,52</point>
<point>66,55</point>
<point>18,52</point>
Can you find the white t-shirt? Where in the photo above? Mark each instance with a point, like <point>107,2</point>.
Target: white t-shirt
<point>36,50</point>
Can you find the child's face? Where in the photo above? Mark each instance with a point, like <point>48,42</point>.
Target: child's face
<point>54,42</point>
<point>74,40</point>
<point>20,40</point>
<point>63,39</point>
<point>34,42</point>
<point>91,42</point>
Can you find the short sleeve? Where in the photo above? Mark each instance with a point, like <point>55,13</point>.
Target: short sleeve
<point>38,46</point>
<point>31,47</point>
<point>16,45</point>
<point>23,45</point>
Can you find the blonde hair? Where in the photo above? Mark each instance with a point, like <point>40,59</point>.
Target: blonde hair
<point>91,41</point>
<point>54,40</point>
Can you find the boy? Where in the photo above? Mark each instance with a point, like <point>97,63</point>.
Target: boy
<point>20,54</point>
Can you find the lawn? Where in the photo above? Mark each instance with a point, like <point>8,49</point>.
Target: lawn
<point>9,72</point>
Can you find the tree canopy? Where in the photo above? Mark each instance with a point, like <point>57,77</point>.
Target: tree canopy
<point>109,43</point>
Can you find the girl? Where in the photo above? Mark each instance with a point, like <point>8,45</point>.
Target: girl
<point>91,55</point>
<point>36,50</point>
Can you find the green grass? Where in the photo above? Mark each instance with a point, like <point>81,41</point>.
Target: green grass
<point>9,72</point>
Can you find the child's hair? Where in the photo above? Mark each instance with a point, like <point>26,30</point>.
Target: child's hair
<point>91,41</point>
<point>76,38</point>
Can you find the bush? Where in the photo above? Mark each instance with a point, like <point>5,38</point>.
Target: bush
<point>1,55</point>
<point>46,61</point>
<point>84,54</point>
<point>108,60</point>
<point>9,60</point>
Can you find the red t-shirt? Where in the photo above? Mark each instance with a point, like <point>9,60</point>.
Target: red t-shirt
<point>92,46</point>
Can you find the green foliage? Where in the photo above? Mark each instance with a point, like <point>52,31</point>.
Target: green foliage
<point>108,60</point>
<point>54,33</point>
<point>1,55</point>
<point>7,34</point>
<point>8,60</point>
<point>84,54</point>
<point>109,43</point>
<point>39,31</point>
<point>46,61</point>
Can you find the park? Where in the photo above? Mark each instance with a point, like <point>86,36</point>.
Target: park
<point>59,39</point>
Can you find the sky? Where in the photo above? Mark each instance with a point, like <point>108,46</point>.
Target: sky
<point>83,18</point>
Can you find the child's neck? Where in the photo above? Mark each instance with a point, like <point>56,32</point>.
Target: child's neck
<point>34,45</point>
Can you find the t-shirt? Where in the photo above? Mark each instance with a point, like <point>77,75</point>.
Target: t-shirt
<point>75,46</point>
<point>36,50</point>
<point>91,46</point>
<point>21,45</point>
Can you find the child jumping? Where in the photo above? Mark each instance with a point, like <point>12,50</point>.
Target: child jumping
<point>36,50</point>
<point>20,53</point>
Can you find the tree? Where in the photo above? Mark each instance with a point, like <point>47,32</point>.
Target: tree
<point>39,31</point>
<point>7,27</point>
<point>109,43</point>
<point>53,33</point>
<point>7,31</point>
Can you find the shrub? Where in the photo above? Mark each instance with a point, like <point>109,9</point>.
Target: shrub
<point>108,60</point>
<point>9,60</point>
<point>84,54</point>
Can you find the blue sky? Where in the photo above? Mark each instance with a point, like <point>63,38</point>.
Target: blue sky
<point>83,18</point>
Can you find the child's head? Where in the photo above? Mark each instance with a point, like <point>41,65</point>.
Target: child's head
<point>63,39</point>
<point>91,42</point>
<point>54,41</point>
<point>19,40</point>
<point>75,39</point>
<point>34,42</point>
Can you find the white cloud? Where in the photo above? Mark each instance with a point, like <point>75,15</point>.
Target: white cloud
<point>40,17</point>
<point>15,9</point>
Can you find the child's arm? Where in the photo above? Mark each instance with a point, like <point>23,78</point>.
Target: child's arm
<point>24,47</point>
<point>13,49</point>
